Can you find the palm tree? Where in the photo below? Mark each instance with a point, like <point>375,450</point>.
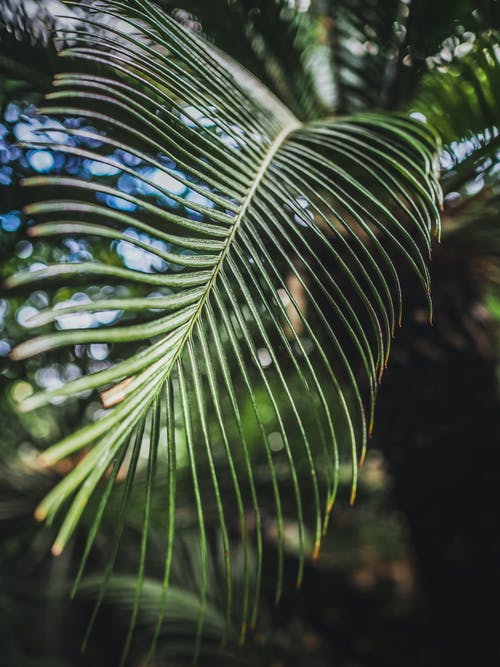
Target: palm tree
<point>224,266</point>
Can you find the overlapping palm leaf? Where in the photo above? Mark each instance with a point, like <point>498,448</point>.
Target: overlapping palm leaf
<point>270,257</point>
<point>379,48</point>
<point>279,44</point>
<point>460,98</point>
<point>465,76</point>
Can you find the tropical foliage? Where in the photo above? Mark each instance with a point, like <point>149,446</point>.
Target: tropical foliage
<point>223,268</point>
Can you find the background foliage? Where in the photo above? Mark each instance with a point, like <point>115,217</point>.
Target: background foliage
<point>416,562</point>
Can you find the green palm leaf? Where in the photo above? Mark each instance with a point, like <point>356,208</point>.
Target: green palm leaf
<point>464,76</point>
<point>279,269</point>
<point>279,44</point>
<point>460,98</point>
<point>379,48</point>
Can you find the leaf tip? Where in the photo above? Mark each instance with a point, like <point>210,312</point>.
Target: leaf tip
<point>29,348</point>
<point>28,210</point>
<point>115,394</point>
<point>44,461</point>
<point>7,283</point>
<point>25,405</point>
<point>57,548</point>
<point>362,458</point>
<point>17,354</point>
<point>40,513</point>
<point>32,231</point>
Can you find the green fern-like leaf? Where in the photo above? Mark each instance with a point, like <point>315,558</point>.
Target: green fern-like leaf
<point>278,285</point>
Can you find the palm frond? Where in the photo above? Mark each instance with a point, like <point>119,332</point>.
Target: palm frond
<point>464,77</point>
<point>279,42</point>
<point>468,88</point>
<point>379,47</point>
<point>459,97</point>
<point>365,41</point>
<point>183,611</point>
<point>269,252</point>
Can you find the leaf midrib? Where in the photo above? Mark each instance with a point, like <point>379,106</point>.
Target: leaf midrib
<point>277,142</point>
